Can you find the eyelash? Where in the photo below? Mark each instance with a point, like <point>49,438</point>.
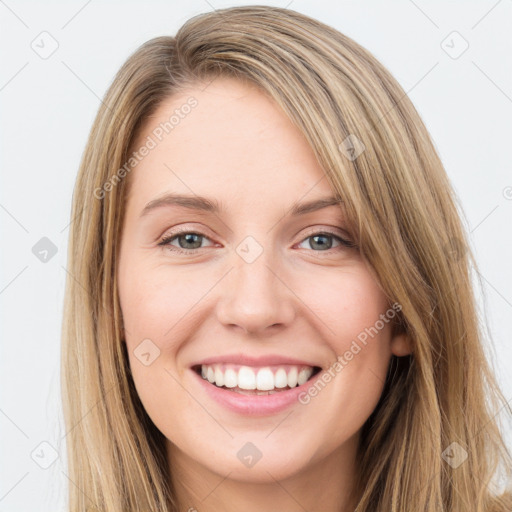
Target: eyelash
<point>165,242</point>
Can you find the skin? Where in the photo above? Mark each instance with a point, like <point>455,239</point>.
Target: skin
<point>237,147</point>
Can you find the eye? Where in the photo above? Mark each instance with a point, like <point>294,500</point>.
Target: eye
<point>323,241</point>
<point>188,241</point>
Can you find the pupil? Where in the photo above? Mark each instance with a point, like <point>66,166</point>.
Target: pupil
<point>319,241</point>
<point>191,238</point>
<point>321,245</point>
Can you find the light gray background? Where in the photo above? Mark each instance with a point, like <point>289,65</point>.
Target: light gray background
<point>48,106</point>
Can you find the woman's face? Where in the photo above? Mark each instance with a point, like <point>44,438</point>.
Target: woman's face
<point>237,282</point>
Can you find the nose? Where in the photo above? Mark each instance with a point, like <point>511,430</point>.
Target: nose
<point>255,297</point>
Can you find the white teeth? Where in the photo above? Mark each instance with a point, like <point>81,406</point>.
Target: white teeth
<point>246,378</point>
<point>265,379</point>
<point>219,377</point>
<point>280,378</point>
<point>304,375</point>
<point>292,377</point>
<point>262,380</point>
<point>230,378</point>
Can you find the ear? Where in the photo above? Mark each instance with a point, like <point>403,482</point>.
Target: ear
<point>401,344</point>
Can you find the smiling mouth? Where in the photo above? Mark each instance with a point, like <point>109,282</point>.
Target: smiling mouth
<point>248,380</point>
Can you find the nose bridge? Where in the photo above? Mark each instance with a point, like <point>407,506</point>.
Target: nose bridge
<point>254,297</point>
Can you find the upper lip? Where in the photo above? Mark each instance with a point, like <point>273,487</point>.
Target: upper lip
<point>246,360</point>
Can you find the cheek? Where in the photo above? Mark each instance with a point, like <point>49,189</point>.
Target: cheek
<point>338,309</point>
<point>154,303</point>
<point>349,304</point>
<point>160,308</point>
<point>357,327</point>
<point>155,313</point>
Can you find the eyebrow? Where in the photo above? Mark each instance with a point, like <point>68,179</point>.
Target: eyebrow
<point>194,202</point>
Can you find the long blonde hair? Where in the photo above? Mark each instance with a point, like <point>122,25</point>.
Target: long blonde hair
<point>397,195</point>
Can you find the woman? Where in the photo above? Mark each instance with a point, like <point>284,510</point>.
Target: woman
<point>270,305</point>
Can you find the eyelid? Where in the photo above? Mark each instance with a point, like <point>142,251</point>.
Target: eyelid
<point>166,238</point>
<point>319,228</point>
<point>314,230</point>
<point>333,231</point>
<point>344,240</point>
<point>185,228</point>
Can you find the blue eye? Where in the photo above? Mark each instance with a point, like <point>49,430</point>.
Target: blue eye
<point>189,242</point>
<point>324,241</point>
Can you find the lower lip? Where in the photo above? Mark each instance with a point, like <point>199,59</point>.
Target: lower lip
<point>256,405</point>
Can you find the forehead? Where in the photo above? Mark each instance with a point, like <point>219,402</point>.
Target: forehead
<point>235,142</point>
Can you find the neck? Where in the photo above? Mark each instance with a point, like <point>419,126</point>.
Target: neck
<point>325,485</point>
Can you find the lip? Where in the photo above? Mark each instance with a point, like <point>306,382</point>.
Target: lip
<point>245,360</point>
<point>254,405</point>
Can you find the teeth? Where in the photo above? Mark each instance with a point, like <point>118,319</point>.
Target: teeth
<point>264,379</point>
<point>292,377</point>
<point>219,377</point>
<point>230,378</point>
<point>246,378</point>
<point>280,378</point>
<point>304,375</point>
